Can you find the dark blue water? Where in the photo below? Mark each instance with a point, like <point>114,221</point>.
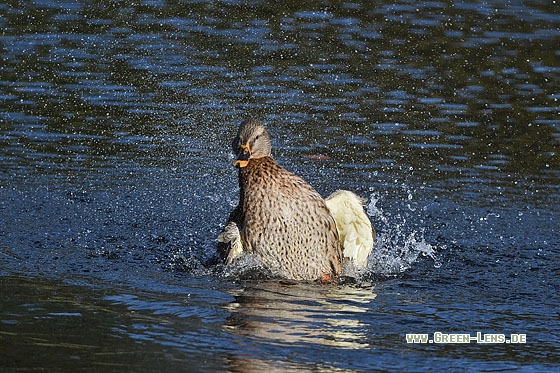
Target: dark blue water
<point>115,178</point>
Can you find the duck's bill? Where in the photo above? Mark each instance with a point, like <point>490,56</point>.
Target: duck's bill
<point>243,157</point>
<point>240,163</point>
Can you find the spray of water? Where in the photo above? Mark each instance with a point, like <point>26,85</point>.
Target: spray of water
<point>399,242</point>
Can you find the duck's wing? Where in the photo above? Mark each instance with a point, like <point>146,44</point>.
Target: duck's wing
<point>229,240</point>
<point>354,227</point>
<point>229,243</point>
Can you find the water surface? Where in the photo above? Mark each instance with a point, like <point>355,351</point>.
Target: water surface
<point>115,126</point>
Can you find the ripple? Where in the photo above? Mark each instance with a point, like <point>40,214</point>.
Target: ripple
<point>115,131</point>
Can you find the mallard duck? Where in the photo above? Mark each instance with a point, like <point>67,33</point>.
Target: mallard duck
<point>281,219</point>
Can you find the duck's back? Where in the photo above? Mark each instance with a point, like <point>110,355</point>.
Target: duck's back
<point>286,222</point>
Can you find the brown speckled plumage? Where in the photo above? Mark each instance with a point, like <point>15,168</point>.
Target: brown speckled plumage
<point>280,217</point>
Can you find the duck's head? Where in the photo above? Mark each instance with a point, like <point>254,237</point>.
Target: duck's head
<point>252,141</point>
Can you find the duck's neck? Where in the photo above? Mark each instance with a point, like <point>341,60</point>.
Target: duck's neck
<point>252,172</point>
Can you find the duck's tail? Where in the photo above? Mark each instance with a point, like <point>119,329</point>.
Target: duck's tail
<point>354,227</point>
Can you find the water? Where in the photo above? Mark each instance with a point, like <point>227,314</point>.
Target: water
<point>116,178</point>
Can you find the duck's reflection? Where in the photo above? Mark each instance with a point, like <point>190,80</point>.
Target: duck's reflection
<point>270,316</point>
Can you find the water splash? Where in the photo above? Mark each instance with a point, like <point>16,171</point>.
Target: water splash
<point>399,242</point>
<point>248,267</point>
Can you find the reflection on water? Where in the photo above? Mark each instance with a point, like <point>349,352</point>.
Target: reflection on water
<point>301,314</point>
<point>57,325</point>
<point>298,315</point>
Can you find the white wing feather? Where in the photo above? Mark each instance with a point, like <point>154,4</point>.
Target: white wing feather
<point>354,227</point>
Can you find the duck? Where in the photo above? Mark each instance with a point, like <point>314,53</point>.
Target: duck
<point>284,222</point>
